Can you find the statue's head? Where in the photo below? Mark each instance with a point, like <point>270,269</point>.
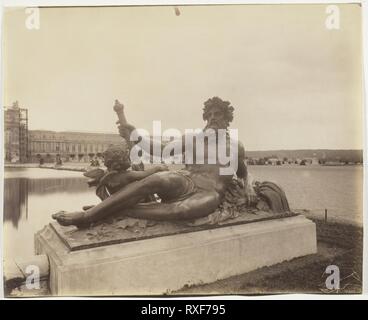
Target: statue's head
<point>217,113</point>
<point>117,157</point>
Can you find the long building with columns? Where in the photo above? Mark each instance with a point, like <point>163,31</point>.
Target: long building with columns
<point>68,146</point>
<point>24,145</point>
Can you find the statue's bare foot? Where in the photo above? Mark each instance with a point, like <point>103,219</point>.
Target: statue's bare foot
<point>76,218</point>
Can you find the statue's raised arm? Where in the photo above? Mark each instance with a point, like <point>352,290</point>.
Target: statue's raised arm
<point>126,129</point>
<point>119,109</point>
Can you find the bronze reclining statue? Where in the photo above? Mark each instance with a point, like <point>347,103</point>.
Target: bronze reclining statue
<point>190,193</point>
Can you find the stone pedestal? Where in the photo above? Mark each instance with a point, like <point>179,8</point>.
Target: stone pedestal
<point>163,264</point>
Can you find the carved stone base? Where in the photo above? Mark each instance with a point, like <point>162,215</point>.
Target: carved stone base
<point>162,264</point>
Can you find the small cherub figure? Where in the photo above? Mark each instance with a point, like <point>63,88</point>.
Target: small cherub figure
<point>117,175</point>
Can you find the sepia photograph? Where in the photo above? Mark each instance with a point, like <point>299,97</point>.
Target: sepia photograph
<point>182,150</point>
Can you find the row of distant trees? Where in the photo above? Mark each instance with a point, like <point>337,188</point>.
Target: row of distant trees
<point>342,161</point>
<point>285,160</point>
<point>265,160</point>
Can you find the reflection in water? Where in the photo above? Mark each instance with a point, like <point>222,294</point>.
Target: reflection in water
<point>30,197</point>
<point>17,190</point>
<point>15,199</point>
<point>44,186</point>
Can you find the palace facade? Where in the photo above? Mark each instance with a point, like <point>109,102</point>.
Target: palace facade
<point>68,146</point>
<point>22,145</point>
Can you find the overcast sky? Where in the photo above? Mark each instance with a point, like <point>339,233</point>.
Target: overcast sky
<point>293,83</point>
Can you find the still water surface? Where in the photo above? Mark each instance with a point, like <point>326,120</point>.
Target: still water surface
<point>31,195</point>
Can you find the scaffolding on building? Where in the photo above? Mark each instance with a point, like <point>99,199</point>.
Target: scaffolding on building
<point>16,134</point>
<point>23,135</point>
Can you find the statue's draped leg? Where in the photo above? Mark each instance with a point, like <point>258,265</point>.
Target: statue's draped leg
<point>197,205</point>
<point>166,184</point>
